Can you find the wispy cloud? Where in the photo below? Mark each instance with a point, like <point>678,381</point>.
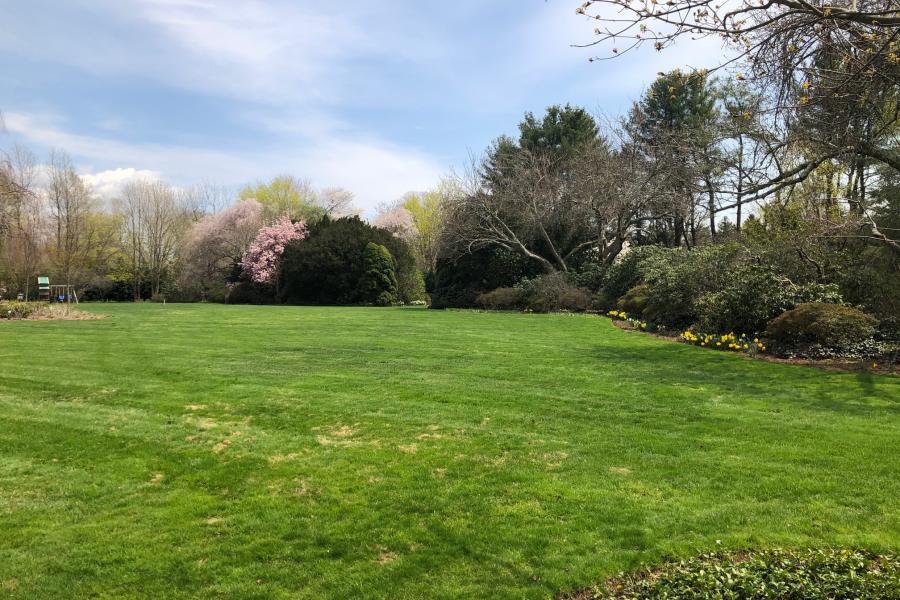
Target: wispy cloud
<point>377,97</point>
<point>373,170</point>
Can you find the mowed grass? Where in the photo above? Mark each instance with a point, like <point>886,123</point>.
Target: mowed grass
<point>199,451</point>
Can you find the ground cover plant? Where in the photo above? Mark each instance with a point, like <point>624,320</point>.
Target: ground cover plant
<point>766,575</point>
<point>186,451</point>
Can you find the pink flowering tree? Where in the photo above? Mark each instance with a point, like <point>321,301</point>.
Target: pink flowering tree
<point>262,261</point>
<point>217,242</point>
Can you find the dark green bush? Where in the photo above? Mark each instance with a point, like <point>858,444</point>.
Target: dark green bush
<point>245,292</point>
<point>635,300</point>
<point>458,281</point>
<point>327,266</point>
<point>378,284</point>
<point>752,295</point>
<point>762,575</point>
<point>819,325</point>
<point>678,278</point>
<point>503,298</point>
<point>625,273</point>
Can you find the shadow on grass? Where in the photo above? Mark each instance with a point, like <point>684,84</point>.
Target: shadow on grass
<point>665,363</point>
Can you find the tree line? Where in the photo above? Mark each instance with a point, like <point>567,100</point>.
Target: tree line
<point>787,156</point>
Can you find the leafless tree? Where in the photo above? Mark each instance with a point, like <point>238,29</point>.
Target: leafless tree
<point>70,204</point>
<point>153,225</point>
<point>829,72</point>
<point>22,234</point>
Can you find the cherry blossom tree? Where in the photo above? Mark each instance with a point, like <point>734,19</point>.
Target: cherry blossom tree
<point>398,220</point>
<point>262,261</point>
<point>219,241</point>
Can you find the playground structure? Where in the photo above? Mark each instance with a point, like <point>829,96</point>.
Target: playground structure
<point>48,292</point>
<point>44,289</point>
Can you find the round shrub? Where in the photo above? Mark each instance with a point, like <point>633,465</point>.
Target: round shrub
<point>635,300</point>
<point>679,277</point>
<point>833,326</point>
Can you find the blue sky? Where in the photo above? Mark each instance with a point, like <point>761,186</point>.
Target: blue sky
<point>377,97</point>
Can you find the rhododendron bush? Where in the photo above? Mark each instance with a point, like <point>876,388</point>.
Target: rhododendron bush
<point>261,261</point>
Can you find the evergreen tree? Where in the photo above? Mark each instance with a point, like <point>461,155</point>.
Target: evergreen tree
<point>378,284</point>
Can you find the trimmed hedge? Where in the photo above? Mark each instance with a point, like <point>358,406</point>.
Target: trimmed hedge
<point>761,575</point>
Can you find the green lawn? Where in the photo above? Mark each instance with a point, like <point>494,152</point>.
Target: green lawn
<point>285,452</point>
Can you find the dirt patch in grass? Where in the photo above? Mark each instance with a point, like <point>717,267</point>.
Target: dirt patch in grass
<point>344,431</point>
<point>282,458</point>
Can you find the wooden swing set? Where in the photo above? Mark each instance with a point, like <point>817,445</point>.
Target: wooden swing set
<point>56,292</point>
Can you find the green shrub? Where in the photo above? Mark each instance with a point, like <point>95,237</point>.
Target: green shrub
<point>158,298</point>
<point>329,265</point>
<point>762,575</point>
<point>502,298</point>
<point>635,301</point>
<point>552,292</point>
<point>458,280</point>
<point>816,325</point>
<point>679,277</point>
<point>19,310</point>
<point>752,295</point>
<point>626,272</point>
<point>246,292</point>
<point>411,287</point>
<point>378,284</point>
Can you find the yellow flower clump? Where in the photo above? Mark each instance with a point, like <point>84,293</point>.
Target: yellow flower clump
<point>724,341</point>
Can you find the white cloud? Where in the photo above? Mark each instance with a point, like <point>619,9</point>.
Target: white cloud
<point>108,184</point>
